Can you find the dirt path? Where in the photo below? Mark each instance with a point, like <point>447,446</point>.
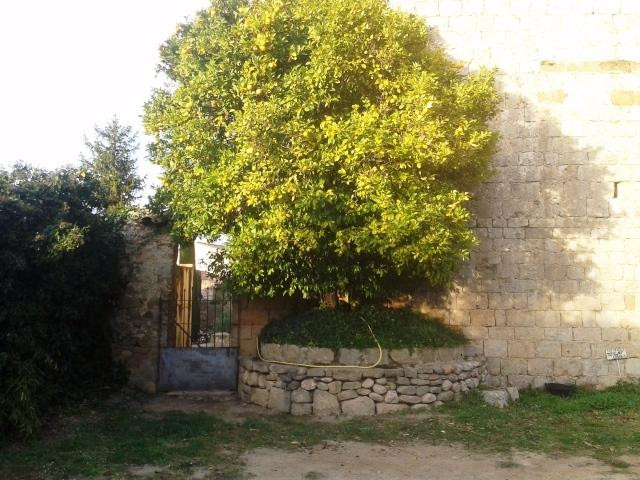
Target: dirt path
<point>222,404</point>
<point>356,461</point>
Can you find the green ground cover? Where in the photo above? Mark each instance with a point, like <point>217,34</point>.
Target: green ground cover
<point>394,328</point>
<point>108,441</point>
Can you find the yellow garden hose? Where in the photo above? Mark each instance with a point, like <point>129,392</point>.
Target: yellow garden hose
<point>307,365</point>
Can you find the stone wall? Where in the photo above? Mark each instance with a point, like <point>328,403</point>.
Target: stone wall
<point>555,280</point>
<point>273,352</point>
<point>356,391</point>
<point>149,264</point>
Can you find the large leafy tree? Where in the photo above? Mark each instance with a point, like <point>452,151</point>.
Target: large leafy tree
<point>331,140</point>
<point>112,162</point>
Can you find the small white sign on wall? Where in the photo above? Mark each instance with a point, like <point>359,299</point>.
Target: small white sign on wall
<point>616,353</point>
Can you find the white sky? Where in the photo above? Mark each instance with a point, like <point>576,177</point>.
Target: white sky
<point>67,65</point>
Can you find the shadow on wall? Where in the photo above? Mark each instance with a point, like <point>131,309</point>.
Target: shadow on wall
<point>543,296</point>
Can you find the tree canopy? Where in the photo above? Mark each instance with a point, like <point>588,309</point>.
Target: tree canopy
<point>332,140</point>
<point>112,163</point>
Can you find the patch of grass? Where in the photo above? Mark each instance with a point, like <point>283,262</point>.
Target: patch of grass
<point>604,425</point>
<point>394,328</point>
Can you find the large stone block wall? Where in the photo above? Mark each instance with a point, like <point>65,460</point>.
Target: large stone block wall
<point>144,308</point>
<point>555,280</point>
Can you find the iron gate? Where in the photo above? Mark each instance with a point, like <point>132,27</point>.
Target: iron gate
<point>200,342</point>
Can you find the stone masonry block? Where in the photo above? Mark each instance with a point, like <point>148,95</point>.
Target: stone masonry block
<point>522,349</point>
<point>576,349</point>
<point>587,334</point>
<point>495,348</point>
<point>567,367</point>
<point>547,349</point>
<point>484,318</point>
<point>513,366</point>
<point>540,366</point>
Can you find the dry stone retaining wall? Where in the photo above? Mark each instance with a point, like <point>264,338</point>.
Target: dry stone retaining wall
<point>357,391</point>
<point>555,280</point>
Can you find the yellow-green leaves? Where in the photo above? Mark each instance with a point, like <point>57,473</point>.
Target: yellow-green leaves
<point>331,140</point>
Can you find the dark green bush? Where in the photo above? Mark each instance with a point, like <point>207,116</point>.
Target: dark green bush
<point>394,328</point>
<point>59,278</point>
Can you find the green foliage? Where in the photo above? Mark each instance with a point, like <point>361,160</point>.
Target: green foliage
<point>112,163</point>
<point>394,328</point>
<point>331,140</point>
<point>59,276</point>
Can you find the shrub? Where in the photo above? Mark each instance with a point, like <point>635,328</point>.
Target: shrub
<point>59,276</point>
<point>331,140</point>
<point>348,329</point>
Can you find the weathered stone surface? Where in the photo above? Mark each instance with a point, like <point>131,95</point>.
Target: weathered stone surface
<point>347,395</point>
<point>351,385</point>
<point>279,400</point>
<point>301,396</point>
<point>360,406</point>
<point>514,395</point>
<point>407,390</point>
<point>376,397</point>
<point>367,383</point>
<point>496,398</point>
<point>422,406</point>
<point>428,398</point>
<point>260,366</point>
<point>410,372</point>
<point>301,409</point>
<point>308,384</point>
<point>422,390</point>
<point>445,396</point>
<point>253,379</point>
<point>379,389</point>
<point>349,356</point>
<point>292,354</point>
<point>393,372</point>
<point>272,351</point>
<point>403,356</point>
<point>391,397</point>
<point>347,374</point>
<point>444,384</point>
<point>320,356</point>
<point>259,396</point>
<point>275,368</point>
<point>325,404</point>
<point>374,372</point>
<point>335,387</point>
<point>382,408</point>
<point>409,399</point>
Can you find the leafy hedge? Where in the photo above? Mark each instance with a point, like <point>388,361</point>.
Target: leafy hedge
<point>59,277</point>
<point>393,328</point>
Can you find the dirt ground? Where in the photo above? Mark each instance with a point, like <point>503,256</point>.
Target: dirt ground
<point>222,404</point>
<point>358,461</point>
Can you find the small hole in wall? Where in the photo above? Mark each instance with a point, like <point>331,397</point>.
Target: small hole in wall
<point>615,189</point>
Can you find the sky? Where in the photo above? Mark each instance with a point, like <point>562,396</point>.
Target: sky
<point>67,65</point>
